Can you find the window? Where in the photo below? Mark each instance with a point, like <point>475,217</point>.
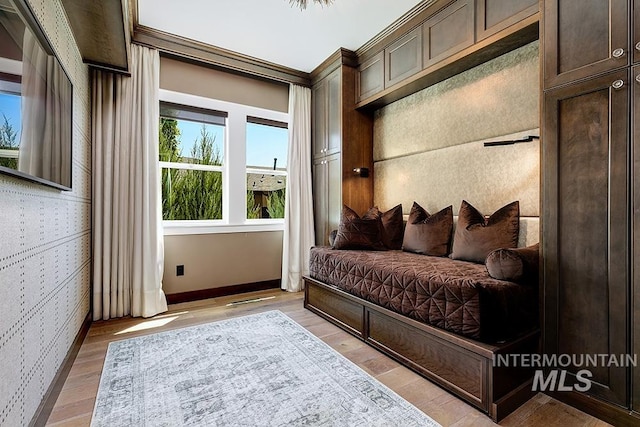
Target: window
<point>266,168</point>
<point>191,154</point>
<point>9,125</point>
<point>10,86</point>
<point>223,165</point>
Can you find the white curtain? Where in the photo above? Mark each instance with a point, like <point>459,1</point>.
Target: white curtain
<point>46,130</point>
<point>128,242</point>
<point>298,219</point>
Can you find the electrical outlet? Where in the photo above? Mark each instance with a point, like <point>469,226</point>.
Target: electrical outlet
<point>179,270</point>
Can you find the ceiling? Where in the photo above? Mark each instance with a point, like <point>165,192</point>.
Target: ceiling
<point>274,30</point>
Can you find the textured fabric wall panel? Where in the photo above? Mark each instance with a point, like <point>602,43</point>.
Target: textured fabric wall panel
<point>45,252</point>
<point>428,147</point>
<point>486,177</point>
<point>496,98</point>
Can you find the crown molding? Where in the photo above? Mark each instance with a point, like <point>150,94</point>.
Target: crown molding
<point>341,56</point>
<point>418,14</point>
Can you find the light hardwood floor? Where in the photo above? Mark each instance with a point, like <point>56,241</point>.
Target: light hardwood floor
<point>75,403</point>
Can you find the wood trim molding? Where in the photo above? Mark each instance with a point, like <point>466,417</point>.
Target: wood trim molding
<point>51,396</point>
<point>404,24</point>
<point>341,56</point>
<point>184,48</point>
<point>222,291</point>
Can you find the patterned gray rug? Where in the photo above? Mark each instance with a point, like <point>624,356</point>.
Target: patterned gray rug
<point>258,370</point>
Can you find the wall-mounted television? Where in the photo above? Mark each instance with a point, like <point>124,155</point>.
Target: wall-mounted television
<point>35,102</point>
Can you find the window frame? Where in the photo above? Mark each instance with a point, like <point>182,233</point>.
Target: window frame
<point>234,169</point>
<point>261,121</point>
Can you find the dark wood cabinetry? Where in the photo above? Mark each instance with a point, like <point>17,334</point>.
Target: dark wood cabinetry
<point>327,176</point>
<point>342,138</point>
<point>403,58</point>
<point>326,115</point>
<point>445,39</point>
<point>586,226</point>
<point>635,40</point>
<point>587,38</point>
<point>496,15</point>
<point>371,76</point>
<point>439,39</point>
<point>635,231</point>
<point>590,199</point>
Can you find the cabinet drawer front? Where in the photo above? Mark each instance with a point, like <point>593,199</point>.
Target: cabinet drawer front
<point>496,15</point>
<point>349,314</point>
<point>435,358</point>
<point>403,58</point>
<point>439,41</point>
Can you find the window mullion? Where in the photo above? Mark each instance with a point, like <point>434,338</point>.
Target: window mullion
<point>237,181</point>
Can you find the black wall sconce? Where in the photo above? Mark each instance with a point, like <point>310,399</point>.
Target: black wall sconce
<point>363,172</point>
<point>511,142</point>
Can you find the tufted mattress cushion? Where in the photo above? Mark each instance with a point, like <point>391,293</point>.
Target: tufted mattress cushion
<point>457,296</point>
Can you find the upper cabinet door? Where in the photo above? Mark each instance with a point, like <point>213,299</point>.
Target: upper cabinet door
<point>635,41</point>
<point>334,112</point>
<point>403,58</point>
<point>495,15</point>
<point>584,38</point>
<point>440,40</point>
<point>319,116</point>
<point>371,76</point>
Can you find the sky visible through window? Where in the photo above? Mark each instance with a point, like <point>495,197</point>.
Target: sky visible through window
<point>10,107</point>
<point>264,143</point>
<point>190,133</point>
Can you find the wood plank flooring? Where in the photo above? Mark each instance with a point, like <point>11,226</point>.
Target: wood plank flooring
<point>75,403</point>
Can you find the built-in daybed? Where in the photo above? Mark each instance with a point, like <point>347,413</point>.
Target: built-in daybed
<point>445,318</point>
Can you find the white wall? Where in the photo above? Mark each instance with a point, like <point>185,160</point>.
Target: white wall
<point>45,265</point>
<point>218,260</point>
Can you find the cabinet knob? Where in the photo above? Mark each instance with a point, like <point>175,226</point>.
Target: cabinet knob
<point>638,46</point>
<point>638,78</point>
<point>617,53</point>
<point>617,84</point>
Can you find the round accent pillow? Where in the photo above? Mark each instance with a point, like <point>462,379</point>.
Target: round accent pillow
<point>514,265</point>
<point>504,264</point>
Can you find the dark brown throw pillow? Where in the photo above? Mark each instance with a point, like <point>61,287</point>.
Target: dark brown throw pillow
<point>514,265</point>
<point>476,236</point>
<point>392,225</point>
<point>358,233</point>
<point>428,234</point>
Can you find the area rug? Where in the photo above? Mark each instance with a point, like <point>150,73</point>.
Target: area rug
<point>257,370</point>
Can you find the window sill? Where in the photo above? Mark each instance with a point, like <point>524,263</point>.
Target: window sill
<point>178,228</point>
